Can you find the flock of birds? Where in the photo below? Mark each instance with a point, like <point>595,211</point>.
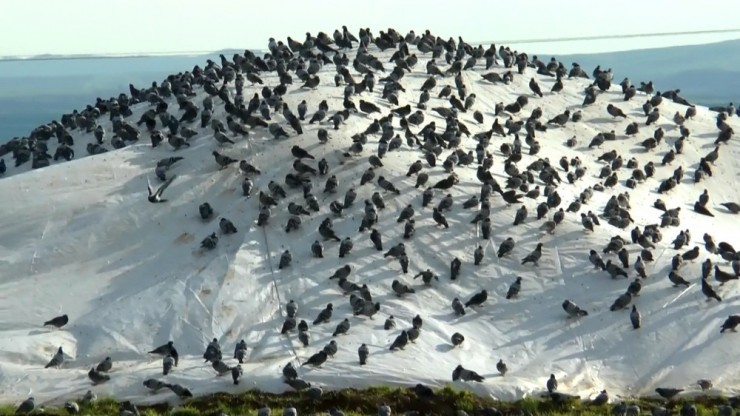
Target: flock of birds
<point>439,148</point>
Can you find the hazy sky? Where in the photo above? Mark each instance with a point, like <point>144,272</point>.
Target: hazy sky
<point>32,27</point>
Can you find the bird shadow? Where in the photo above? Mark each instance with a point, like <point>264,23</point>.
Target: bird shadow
<point>444,347</point>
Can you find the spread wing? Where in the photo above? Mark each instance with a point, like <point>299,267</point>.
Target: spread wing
<point>149,186</point>
<point>165,185</point>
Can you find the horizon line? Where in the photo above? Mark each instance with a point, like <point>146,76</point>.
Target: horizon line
<point>50,57</point>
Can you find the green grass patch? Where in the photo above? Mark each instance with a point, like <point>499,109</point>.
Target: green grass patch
<point>447,401</point>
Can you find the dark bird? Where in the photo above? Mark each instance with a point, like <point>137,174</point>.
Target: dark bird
<point>222,160</point>
<point>722,276</point>
<point>477,299</point>
<point>325,315</point>
<point>635,317</point>
<point>667,393</point>
<point>615,111</point>
<point>97,377</point>
<point>732,207</point>
<point>514,288</point>
<point>506,247</point>
<point>708,291</point>
<point>156,196</point>
<point>535,87</point>
<point>730,323</point>
<point>316,359</point>
<point>572,309</point>
<point>702,209</point>
<point>552,383</point>
<point>461,373</point>
<point>677,279</point>
<point>58,321</point>
<point>534,256</point>
<point>300,153</point>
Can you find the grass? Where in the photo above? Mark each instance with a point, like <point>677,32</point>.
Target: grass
<point>447,401</point>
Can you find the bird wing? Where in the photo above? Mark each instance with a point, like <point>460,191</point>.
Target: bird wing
<point>149,186</point>
<point>164,185</point>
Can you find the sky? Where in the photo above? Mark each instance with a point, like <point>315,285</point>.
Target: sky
<point>70,27</point>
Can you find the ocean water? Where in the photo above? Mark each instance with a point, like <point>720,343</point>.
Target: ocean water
<point>34,92</point>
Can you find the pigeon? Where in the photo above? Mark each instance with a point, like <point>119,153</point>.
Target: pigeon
<point>240,351</point>
<point>704,384</point>
<point>363,352</point>
<point>167,363</point>
<point>458,307</point>
<point>221,367</point>
<point>26,406</point>
<point>601,399</point>
<point>57,360</point>
<point>461,373</point>
<point>506,247</point>
<point>573,310</point>
<point>677,279</point>
<point>156,196</point>
<point>667,393</point>
<point>730,323</point>
<point>236,374</point>
<point>97,377</point>
<point>104,366</point>
<point>635,317</point>
<point>72,408</point>
<point>342,328</point>
<point>317,359</point>
<point>57,322</point>
<point>552,383</point>
<point>534,256</point>
<point>457,339</point>
<point>180,391</point>
<point>324,315</point>
<point>477,299</point>
<point>514,288</point>
<point>222,160</point>
<point>154,385</point>
<point>501,367</point>
<point>400,342</point>
<point>708,291</point>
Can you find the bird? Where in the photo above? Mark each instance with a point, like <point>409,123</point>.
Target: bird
<point>708,291</point>
<point>514,288</point>
<point>477,299</point>
<point>317,359</point>
<point>730,323</point>
<point>601,399</point>
<point>57,360</point>
<point>26,406</point>
<point>96,377</point>
<point>704,384</point>
<point>457,339</point>
<point>667,393</point>
<point>236,373</point>
<point>156,196</point>
<point>552,383</point>
<point>105,365</point>
<point>363,352</point>
<point>534,256</point>
<point>501,367</point>
<point>461,373</point>
<point>58,321</point>
<point>635,317</point>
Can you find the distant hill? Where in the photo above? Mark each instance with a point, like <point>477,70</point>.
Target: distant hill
<point>706,74</point>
